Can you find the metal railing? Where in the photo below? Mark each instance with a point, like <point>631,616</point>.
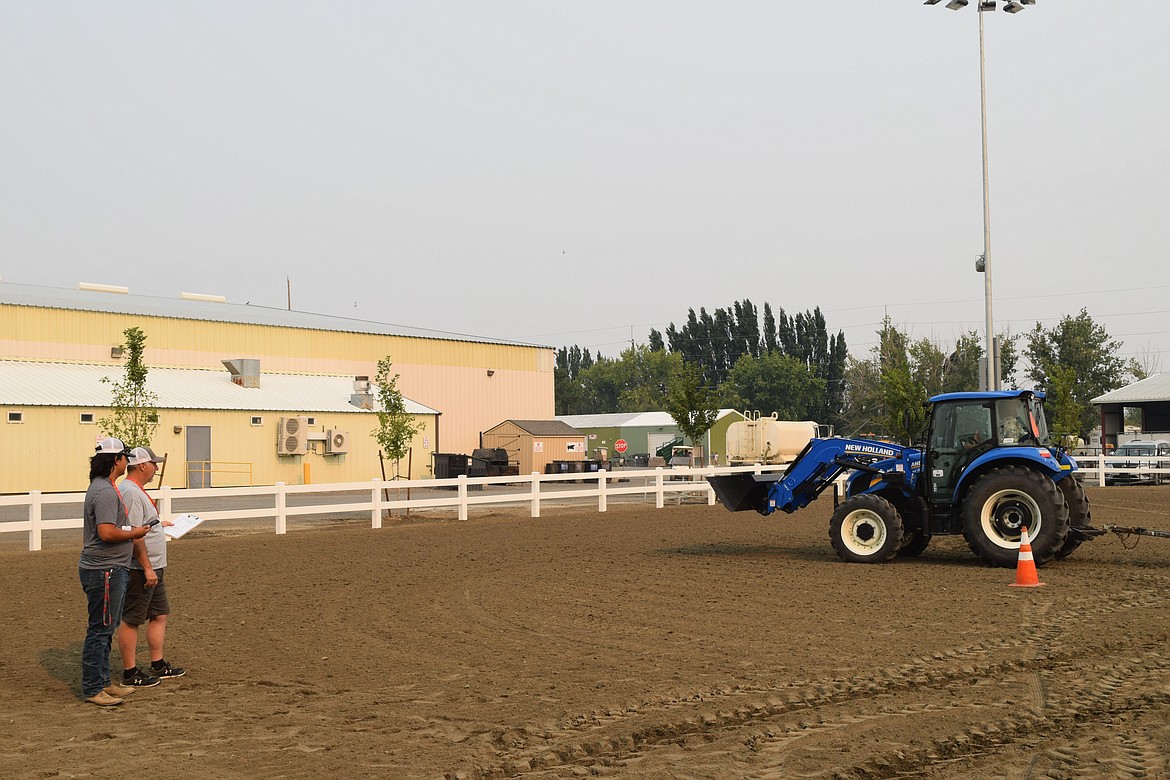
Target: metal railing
<point>203,469</point>
<point>373,497</point>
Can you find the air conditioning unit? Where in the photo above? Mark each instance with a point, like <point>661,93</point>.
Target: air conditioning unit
<point>293,436</point>
<point>337,443</point>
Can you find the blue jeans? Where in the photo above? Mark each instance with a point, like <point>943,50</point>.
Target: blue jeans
<point>105,613</point>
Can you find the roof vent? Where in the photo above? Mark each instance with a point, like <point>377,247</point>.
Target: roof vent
<point>110,288</point>
<point>245,371</point>
<point>362,398</point>
<point>202,297</point>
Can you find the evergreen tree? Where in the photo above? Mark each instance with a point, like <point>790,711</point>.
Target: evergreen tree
<point>656,343</point>
<point>769,341</point>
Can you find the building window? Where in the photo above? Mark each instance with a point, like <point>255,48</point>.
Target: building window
<point>86,418</point>
<point>257,420</point>
<point>16,417</point>
<point>310,421</point>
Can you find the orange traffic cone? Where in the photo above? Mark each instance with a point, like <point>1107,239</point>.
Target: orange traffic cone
<point>1026,576</point>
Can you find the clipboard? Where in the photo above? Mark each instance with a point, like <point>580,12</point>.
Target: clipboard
<point>182,524</point>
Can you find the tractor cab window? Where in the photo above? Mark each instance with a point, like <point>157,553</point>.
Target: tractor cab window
<point>972,426</point>
<point>1021,422</point>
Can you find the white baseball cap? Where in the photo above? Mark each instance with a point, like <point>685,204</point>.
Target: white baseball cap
<point>140,455</point>
<point>111,446</point>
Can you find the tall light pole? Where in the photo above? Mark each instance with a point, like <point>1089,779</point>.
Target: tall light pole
<point>983,264</point>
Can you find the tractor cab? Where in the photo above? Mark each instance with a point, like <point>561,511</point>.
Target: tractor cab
<point>964,426</point>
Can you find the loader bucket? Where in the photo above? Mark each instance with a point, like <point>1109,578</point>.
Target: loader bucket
<point>739,492</point>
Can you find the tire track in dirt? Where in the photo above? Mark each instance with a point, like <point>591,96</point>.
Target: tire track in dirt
<point>745,726</point>
<point>1140,688</point>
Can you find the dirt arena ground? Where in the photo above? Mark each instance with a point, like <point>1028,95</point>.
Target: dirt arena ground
<point>686,642</point>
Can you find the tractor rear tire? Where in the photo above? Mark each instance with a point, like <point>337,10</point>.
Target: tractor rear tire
<point>1079,514</point>
<point>1005,500</point>
<point>866,529</point>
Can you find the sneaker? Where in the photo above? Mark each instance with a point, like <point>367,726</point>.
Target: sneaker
<point>103,699</point>
<point>119,690</point>
<point>166,670</point>
<point>139,679</point>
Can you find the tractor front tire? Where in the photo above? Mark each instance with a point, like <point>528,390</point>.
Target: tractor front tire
<point>866,529</point>
<point>1003,502</point>
<point>1079,514</point>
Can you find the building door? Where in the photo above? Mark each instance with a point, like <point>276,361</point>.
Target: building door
<point>656,440</point>
<point>198,456</point>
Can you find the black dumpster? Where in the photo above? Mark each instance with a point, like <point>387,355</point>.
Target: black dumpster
<point>449,465</point>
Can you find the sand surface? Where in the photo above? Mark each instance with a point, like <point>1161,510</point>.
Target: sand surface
<point>686,642</point>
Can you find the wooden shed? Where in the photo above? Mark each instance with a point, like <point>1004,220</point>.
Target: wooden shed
<point>536,443</point>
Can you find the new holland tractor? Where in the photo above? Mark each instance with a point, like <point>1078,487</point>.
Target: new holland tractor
<point>987,471</point>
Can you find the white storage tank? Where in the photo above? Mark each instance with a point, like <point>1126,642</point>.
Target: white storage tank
<point>767,440</point>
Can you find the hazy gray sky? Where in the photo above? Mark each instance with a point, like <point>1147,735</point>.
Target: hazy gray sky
<point>577,172</point>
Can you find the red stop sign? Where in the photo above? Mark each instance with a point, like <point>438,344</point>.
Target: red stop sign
<point>620,445</point>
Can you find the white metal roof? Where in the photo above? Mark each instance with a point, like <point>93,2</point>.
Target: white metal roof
<point>1153,388</point>
<point>31,383</point>
<point>211,311</point>
<point>628,419</point>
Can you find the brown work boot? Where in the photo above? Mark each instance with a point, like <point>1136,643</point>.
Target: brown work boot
<point>103,699</point>
<point>116,690</point>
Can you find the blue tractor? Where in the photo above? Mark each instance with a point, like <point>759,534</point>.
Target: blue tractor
<point>987,470</point>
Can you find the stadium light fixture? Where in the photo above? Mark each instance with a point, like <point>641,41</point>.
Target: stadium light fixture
<point>1013,7</point>
<point>955,5</point>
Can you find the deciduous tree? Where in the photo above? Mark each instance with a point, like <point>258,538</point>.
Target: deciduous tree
<point>133,414</point>
<point>396,426</point>
<point>774,383</point>
<point>691,402</point>
<point>1084,348</point>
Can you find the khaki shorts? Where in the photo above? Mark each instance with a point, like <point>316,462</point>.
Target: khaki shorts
<point>143,603</point>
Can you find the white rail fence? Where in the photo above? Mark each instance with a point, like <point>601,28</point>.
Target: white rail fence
<point>373,496</point>
<point>468,492</point>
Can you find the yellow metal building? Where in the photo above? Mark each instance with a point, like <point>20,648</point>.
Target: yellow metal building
<point>215,433</point>
<point>472,381</point>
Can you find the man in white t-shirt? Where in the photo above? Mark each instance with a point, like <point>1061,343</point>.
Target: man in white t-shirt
<point>146,594</point>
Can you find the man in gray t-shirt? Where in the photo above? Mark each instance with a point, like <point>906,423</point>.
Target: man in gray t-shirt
<point>146,595</point>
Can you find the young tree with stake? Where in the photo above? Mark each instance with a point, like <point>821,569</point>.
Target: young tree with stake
<point>396,427</point>
<point>133,414</point>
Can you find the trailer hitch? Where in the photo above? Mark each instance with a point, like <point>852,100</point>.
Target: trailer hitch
<point>1123,532</point>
